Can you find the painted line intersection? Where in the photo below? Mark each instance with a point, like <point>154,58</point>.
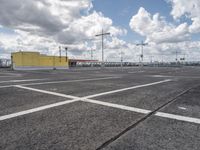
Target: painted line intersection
<point>89,100</point>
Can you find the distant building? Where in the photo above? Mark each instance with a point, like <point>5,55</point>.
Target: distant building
<point>5,63</point>
<point>81,62</point>
<point>37,61</point>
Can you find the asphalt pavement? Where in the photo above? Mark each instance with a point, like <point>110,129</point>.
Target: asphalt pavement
<point>149,108</point>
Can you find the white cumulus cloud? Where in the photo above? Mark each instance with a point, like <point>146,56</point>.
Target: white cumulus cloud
<point>156,29</point>
<point>43,25</point>
<point>189,9</point>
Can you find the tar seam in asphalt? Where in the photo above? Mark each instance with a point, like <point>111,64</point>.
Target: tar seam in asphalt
<point>108,142</point>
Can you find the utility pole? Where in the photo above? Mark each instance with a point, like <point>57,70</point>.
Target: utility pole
<point>121,54</point>
<point>92,57</point>
<point>102,44</point>
<point>142,44</point>
<point>54,63</point>
<point>60,52</point>
<point>176,57</point>
<point>151,57</point>
<point>66,49</point>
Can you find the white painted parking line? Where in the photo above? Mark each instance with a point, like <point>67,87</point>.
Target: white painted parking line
<point>46,92</point>
<point>166,76</point>
<point>133,109</point>
<point>69,81</point>
<point>160,76</point>
<point>56,82</point>
<point>85,99</point>
<point>14,115</point>
<point>6,73</point>
<point>129,88</point>
<point>145,111</point>
<point>5,86</point>
<point>136,72</point>
<point>27,80</point>
<point>8,76</point>
<point>91,96</point>
<point>80,98</point>
<point>178,117</point>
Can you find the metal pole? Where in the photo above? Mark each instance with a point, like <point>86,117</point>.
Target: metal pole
<point>91,58</point>
<point>102,50</point>
<point>102,45</point>
<point>142,44</point>
<point>60,52</point>
<point>142,54</point>
<point>66,49</point>
<point>121,60</point>
<point>151,57</point>
<point>54,63</point>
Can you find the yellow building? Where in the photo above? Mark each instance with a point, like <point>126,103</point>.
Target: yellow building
<point>37,61</point>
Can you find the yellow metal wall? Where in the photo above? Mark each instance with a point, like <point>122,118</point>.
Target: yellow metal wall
<point>35,59</point>
<point>46,61</point>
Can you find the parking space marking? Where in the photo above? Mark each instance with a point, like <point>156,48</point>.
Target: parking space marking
<point>69,81</point>
<point>136,72</point>
<point>5,86</point>
<point>176,76</point>
<point>46,92</point>
<point>161,76</point>
<point>56,82</point>
<point>75,98</point>
<point>9,74</point>
<point>145,111</point>
<point>178,117</point>
<point>133,109</point>
<point>15,81</point>
<point>86,99</point>
<point>6,73</point>
<point>129,88</point>
<point>21,113</point>
<point>94,95</point>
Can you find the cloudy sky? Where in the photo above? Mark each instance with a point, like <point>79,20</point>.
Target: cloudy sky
<point>168,26</point>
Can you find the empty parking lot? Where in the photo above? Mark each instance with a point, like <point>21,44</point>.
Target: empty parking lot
<point>94,108</point>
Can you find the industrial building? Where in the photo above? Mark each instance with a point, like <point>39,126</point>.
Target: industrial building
<point>5,63</point>
<point>37,61</point>
<point>82,62</point>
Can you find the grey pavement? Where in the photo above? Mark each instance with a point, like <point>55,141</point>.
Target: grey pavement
<point>109,122</point>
